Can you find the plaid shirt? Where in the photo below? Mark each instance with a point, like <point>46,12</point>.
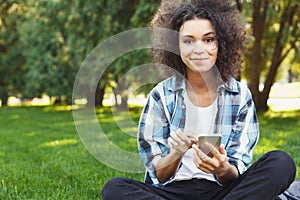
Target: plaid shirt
<point>165,112</point>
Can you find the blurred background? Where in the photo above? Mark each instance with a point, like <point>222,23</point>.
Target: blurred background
<point>43,43</point>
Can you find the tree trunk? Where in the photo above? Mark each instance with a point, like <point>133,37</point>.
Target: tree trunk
<point>239,5</point>
<point>4,99</point>
<point>115,96</point>
<point>57,100</point>
<point>90,97</point>
<point>259,20</point>
<point>124,103</point>
<point>95,98</point>
<point>277,58</point>
<point>99,96</point>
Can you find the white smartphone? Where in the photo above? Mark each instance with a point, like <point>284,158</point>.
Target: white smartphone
<point>215,140</point>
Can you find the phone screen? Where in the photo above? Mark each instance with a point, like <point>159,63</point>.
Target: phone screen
<point>215,140</point>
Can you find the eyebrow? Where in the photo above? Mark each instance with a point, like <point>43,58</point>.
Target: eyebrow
<point>206,34</point>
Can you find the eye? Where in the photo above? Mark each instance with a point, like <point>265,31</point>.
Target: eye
<point>188,41</point>
<point>209,40</point>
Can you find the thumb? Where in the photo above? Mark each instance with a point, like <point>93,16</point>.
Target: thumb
<point>222,149</point>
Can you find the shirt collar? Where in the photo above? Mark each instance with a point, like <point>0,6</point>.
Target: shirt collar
<point>178,82</point>
<point>231,85</point>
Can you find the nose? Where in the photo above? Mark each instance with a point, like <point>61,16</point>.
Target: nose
<point>199,48</point>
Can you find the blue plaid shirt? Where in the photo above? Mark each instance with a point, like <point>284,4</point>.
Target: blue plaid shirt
<point>165,112</point>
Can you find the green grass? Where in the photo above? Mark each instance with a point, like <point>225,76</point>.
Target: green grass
<point>280,130</point>
<point>42,156</point>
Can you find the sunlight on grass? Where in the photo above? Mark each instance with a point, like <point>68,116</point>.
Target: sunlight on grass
<point>63,108</point>
<point>283,114</point>
<point>264,146</point>
<point>30,134</point>
<point>59,143</point>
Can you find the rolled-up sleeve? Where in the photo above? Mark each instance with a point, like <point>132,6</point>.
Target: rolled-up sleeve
<point>244,136</point>
<point>153,133</point>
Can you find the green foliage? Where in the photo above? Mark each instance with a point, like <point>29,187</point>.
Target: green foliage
<point>50,41</point>
<point>43,43</point>
<point>279,15</point>
<point>12,69</point>
<point>60,34</point>
<point>144,11</point>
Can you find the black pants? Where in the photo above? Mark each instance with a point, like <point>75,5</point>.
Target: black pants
<point>264,180</point>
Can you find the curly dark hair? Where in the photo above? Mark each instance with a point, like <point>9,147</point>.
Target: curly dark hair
<point>223,15</point>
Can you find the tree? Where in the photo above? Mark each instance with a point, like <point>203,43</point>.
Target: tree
<point>127,15</point>
<point>12,69</point>
<point>44,43</point>
<point>276,33</point>
<point>60,34</point>
<point>115,17</point>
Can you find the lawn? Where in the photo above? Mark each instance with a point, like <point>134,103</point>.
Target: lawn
<point>42,156</point>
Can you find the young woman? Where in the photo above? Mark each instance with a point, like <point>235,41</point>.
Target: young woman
<point>202,98</point>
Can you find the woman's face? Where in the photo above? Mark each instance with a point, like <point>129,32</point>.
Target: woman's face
<point>198,45</point>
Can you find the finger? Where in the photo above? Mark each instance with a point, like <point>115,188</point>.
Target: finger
<point>200,154</point>
<point>208,171</point>
<point>175,137</point>
<point>222,154</point>
<point>208,162</point>
<point>172,141</point>
<point>190,134</point>
<point>192,139</point>
<point>182,136</point>
<point>222,150</point>
<point>206,168</point>
<point>212,150</point>
<point>197,160</point>
<point>201,164</point>
<point>196,149</point>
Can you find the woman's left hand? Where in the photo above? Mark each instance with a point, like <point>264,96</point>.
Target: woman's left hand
<point>217,165</point>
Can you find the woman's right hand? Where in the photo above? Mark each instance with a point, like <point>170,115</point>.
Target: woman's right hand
<point>182,141</point>
<point>167,166</point>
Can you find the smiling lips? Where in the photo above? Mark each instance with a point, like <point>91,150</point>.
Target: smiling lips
<point>196,59</point>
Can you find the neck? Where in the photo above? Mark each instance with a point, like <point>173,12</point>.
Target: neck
<point>202,83</point>
<point>202,88</point>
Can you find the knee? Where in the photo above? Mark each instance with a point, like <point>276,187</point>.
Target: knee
<point>110,188</point>
<point>282,163</point>
<point>282,158</point>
